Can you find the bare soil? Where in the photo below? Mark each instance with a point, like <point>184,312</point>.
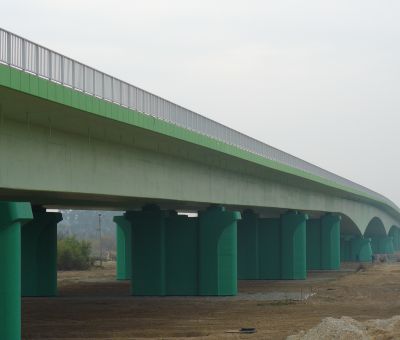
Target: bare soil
<point>92,305</point>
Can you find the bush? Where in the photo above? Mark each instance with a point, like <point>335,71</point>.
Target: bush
<point>73,254</point>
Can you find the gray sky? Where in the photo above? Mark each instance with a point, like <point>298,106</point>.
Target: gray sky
<point>318,79</point>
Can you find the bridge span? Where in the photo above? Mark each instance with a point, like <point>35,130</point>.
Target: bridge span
<point>72,136</point>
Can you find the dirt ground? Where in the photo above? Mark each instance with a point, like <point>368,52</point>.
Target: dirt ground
<point>92,305</point>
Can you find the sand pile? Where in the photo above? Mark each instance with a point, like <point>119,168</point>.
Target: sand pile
<point>347,328</point>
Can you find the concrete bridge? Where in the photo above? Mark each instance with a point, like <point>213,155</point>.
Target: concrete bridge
<point>72,136</point>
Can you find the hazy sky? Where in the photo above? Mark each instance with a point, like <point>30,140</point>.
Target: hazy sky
<point>318,79</point>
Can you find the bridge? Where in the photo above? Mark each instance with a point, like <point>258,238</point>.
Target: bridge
<point>72,136</point>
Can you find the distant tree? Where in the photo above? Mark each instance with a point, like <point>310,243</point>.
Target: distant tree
<point>73,254</point>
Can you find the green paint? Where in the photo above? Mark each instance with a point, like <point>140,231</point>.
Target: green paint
<point>39,254</point>
<point>178,255</point>
<point>124,249</point>
<point>293,243</point>
<point>269,246</point>
<point>375,245</point>
<point>395,233</point>
<point>12,216</point>
<point>247,246</point>
<point>218,251</point>
<point>386,245</point>
<point>82,159</point>
<point>345,248</point>
<point>330,242</point>
<point>181,255</point>
<point>47,90</point>
<point>148,251</point>
<point>382,245</point>
<point>314,244</point>
<point>361,250</point>
<point>323,243</point>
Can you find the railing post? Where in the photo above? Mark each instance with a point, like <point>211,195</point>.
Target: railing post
<point>120,93</point>
<point>8,48</point>
<point>94,83</point>
<point>62,69</point>
<point>73,74</point>
<point>129,95</point>
<point>103,90</point>
<point>112,89</point>
<point>84,79</point>
<point>37,60</point>
<point>23,43</point>
<point>49,64</point>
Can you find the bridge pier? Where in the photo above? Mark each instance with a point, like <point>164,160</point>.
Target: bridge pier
<point>39,254</point>
<point>181,255</point>
<point>178,255</point>
<point>272,248</point>
<point>323,243</point>
<point>395,233</point>
<point>314,244</point>
<point>361,250</point>
<point>248,246</point>
<point>345,247</point>
<point>382,245</point>
<point>218,251</point>
<point>147,250</point>
<point>124,248</point>
<point>12,216</point>
<point>293,237</point>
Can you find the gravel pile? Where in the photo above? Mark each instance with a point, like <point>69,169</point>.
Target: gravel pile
<point>347,328</point>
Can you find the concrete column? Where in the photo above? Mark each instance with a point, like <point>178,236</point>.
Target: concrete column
<point>148,250</point>
<point>293,243</point>
<point>39,254</point>
<point>218,251</point>
<point>314,244</point>
<point>395,233</point>
<point>361,250</point>
<point>181,255</point>
<point>375,245</point>
<point>386,245</point>
<point>176,255</point>
<point>12,216</point>
<point>330,242</point>
<point>382,245</point>
<point>323,243</point>
<point>124,249</point>
<point>247,246</point>
<point>269,248</point>
<point>345,248</point>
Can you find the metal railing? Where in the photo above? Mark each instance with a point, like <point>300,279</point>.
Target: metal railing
<point>30,57</point>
